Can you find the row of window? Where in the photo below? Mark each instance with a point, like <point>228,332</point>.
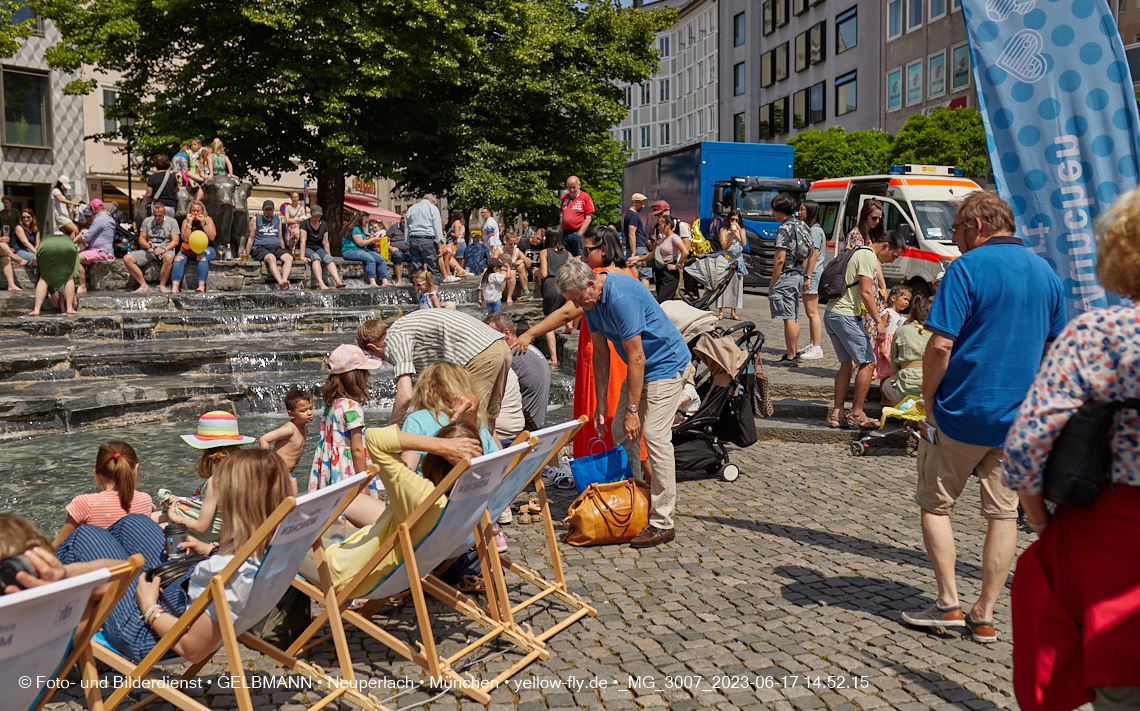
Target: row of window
<point>935,77</point>
<point>802,109</point>
<point>688,81</point>
<point>687,36</point>
<point>689,127</point>
<point>775,12</point>
<point>846,35</point>
<point>914,11</point>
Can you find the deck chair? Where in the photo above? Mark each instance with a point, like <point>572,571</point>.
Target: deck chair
<point>472,484</point>
<point>39,636</point>
<point>549,442</point>
<point>291,530</point>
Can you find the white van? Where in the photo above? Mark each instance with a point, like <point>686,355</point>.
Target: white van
<point>921,197</point>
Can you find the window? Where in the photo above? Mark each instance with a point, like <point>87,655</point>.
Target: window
<point>700,74</point>
<point>689,126</point>
<point>781,13</point>
<point>765,122</point>
<point>110,125</point>
<point>664,135</point>
<point>689,80</point>
<point>27,111</point>
<point>816,38</point>
<point>914,82</point>
<point>846,31</point>
<point>960,66</point>
<point>701,26</point>
<point>894,18</point>
<point>712,70</point>
<point>700,122</point>
<point>780,116</point>
<point>663,90</point>
<point>845,100</point>
<point>738,127</point>
<point>646,137</point>
<point>627,138</point>
<point>956,5</point>
<point>936,70</point>
<point>781,61</point>
<point>738,30</point>
<point>663,46</point>
<point>24,12</point>
<point>937,9</point>
<point>894,90</point>
<point>767,60</point>
<point>801,51</point>
<point>769,17</point>
<point>712,119</point>
<point>646,94</point>
<point>817,103</point>
<point>913,14</point>
<point>799,109</point>
<point>799,7</point>
<point>693,36</point>
<point>680,131</point>
<point>627,96</point>
<point>738,79</point>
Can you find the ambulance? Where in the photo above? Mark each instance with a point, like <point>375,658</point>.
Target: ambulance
<point>918,200</point>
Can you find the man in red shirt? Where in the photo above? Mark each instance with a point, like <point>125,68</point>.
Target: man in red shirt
<point>577,212</point>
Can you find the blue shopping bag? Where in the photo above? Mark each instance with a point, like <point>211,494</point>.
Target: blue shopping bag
<point>601,468</point>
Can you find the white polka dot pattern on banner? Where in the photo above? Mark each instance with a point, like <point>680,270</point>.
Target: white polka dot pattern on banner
<point>1061,121</point>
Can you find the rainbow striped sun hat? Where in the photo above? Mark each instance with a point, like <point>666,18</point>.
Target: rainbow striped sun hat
<point>216,429</point>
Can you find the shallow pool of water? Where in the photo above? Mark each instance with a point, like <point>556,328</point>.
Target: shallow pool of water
<point>40,475</point>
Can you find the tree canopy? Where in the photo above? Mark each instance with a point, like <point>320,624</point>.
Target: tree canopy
<point>488,102</point>
<point>832,152</point>
<point>954,137</point>
<point>15,26</point>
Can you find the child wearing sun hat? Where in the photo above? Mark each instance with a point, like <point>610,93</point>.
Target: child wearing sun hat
<point>217,437</point>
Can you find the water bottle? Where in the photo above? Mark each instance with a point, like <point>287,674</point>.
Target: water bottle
<point>229,253</point>
<point>339,530</point>
<point>176,533</point>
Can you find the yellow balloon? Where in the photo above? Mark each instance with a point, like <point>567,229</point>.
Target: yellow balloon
<point>199,241</point>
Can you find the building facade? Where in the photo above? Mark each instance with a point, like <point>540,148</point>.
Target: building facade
<point>926,60</point>
<point>791,65</point>
<point>678,105</point>
<point>41,138</point>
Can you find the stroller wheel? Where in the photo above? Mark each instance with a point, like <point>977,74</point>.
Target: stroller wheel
<point>729,472</point>
<point>858,449</point>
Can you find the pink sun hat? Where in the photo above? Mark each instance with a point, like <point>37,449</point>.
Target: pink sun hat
<point>216,429</point>
<point>349,357</point>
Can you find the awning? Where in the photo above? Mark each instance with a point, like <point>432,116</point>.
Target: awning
<point>138,185</point>
<point>369,206</point>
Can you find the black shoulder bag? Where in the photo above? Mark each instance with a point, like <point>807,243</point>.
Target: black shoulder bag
<point>1080,463</point>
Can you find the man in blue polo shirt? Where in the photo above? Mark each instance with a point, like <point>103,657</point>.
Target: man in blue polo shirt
<point>619,309</point>
<point>997,308</point>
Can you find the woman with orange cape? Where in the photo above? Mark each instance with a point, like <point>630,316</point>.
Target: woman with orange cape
<point>603,252</point>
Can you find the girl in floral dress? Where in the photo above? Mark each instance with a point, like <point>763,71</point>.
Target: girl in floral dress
<point>340,447</point>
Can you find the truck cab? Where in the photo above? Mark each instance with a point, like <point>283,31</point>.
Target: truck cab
<point>918,200</point>
<point>751,196</point>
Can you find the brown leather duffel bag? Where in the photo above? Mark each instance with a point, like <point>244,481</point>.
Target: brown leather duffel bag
<point>608,513</point>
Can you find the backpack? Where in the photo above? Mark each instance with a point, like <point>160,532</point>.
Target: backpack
<point>833,281</point>
<point>803,246</point>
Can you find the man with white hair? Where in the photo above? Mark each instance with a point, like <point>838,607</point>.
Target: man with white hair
<point>424,227</point>
<point>619,309</point>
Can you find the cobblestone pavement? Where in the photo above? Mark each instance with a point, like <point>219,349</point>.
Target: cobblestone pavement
<point>783,590</point>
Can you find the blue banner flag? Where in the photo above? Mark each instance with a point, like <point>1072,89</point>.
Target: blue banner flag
<point>1061,123</point>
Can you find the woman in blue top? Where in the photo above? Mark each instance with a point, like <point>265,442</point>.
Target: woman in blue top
<point>809,213</point>
<point>434,400</point>
<point>354,246</point>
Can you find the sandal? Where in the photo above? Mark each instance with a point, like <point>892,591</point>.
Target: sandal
<point>472,585</point>
<point>836,423</point>
<point>866,423</point>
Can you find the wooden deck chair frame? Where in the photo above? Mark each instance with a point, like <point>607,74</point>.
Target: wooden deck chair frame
<point>426,653</point>
<point>119,579</point>
<point>546,588</point>
<point>215,593</point>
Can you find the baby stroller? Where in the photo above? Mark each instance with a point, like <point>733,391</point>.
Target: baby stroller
<point>713,272</point>
<point>910,412</point>
<point>725,412</point>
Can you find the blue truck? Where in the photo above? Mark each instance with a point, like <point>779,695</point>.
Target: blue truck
<point>712,177</point>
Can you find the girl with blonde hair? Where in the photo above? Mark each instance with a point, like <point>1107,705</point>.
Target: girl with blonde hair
<point>220,162</point>
<point>441,389</point>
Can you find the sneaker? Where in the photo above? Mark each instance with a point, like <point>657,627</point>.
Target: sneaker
<point>785,360</point>
<point>500,541</point>
<point>506,519</point>
<point>652,536</point>
<point>982,632</point>
<point>811,353</point>
<point>450,279</point>
<point>550,473</point>
<point>936,616</point>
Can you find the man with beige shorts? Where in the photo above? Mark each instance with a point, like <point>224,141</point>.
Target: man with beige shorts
<point>974,379</point>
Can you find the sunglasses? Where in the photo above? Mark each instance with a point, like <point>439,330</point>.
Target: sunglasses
<point>586,250</point>
<point>876,218</point>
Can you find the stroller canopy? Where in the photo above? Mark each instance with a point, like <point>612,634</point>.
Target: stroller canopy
<point>723,357</point>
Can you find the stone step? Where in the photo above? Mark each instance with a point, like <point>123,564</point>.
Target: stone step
<point>788,429</point>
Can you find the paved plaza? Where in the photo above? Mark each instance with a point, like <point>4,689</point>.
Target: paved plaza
<point>783,590</point>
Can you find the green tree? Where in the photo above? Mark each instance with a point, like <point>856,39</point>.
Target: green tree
<point>946,137</point>
<point>13,32</point>
<point>486,101</point>
<point>832,152</point>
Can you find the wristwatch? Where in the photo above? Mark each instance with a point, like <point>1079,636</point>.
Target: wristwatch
<point>631,408</point>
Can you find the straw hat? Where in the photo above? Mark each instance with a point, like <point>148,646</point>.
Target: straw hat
<point>216,429</point>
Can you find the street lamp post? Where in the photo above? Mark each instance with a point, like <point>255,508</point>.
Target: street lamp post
<point>128,120</point>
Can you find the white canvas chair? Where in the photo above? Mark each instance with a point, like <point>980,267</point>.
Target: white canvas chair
<point>472,485</point>
<point>291,530</point>
<point>549,442</point>
<point>40,639</point>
